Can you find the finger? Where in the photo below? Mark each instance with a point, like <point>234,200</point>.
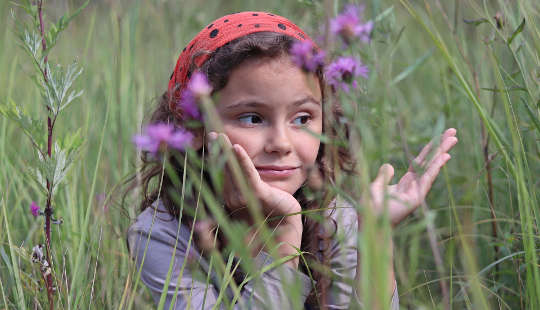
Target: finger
<point>445,147</point>
<point>224,140</point>
<point>429,176</point>
<point>450,132</point>
<point>231,183</point>
<point>447,144</point>
<point>419,160</point>
<point>247,166</point>
<point>210,139</point>
<point>406,180</point>
<point>226,145</point>
<point>385,175</point>
<point>448,140</point>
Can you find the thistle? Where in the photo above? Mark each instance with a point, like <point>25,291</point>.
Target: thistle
<point>306,56</point>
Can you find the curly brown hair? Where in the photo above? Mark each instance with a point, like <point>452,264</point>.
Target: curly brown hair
<point>218,68</point>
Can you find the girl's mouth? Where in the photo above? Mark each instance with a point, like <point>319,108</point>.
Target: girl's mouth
<point>276,171</point>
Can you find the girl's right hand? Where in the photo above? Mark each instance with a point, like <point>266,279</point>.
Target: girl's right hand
<point>274,201</point>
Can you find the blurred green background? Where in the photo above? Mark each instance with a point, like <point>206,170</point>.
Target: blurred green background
<point>419,85</point>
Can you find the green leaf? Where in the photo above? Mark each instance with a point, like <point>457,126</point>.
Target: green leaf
<point>55,29</point>
<point>384,14</point>
<point>56,91</point>
<point>72,142</point>
<point>65,152</point>
<point>506,90</point>
<point>33,128</point>
<point>518,30</point>
<point>475,22</point>
<point>26,6</point>
<point>410,69</point>
<point>30,42</point>
<point>530,112</point>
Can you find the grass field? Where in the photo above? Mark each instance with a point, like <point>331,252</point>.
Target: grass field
<point>434,64</point>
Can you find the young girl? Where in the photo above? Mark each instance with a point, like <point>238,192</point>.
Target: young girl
<point>268,109</point>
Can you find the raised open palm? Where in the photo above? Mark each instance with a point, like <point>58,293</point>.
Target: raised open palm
<point>411,190</point>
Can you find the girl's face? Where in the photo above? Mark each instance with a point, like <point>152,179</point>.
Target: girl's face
<point>268,106</point>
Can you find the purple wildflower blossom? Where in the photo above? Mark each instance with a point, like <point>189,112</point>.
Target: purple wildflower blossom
<point>342,72</point>
<point>349,24</point>
<point>306,57</point>
<point>197,87</point>
<point>188,104</point>
<point>35,209</point>
<point>162,135</point>
<point>180,139</point>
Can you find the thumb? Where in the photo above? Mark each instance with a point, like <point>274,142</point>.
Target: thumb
<point>386,173</point>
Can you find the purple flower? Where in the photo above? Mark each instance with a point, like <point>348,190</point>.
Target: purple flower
<point>180,139</point>
<point>197,87</point>
<point>188,104</point>
<point>342,72</point>
<point>349,24</point>
<point>306,57</point>
<point>162,135</point>
<point>35,209</point>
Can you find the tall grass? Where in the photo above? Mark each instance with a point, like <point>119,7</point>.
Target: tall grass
<point>434,64</point>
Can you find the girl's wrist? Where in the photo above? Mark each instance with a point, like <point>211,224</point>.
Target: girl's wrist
<point>272,220</point>
<point>290,238</point>
<point>287,236</point>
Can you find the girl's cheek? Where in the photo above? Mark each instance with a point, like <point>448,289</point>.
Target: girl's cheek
<point>248,139</point>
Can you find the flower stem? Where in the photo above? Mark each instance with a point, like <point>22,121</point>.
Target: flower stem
<point>48,210</point>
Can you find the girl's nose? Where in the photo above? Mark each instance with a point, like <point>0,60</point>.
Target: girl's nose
<point>278,141</point>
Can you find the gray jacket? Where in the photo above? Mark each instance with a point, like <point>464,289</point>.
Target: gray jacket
<point>272,290</point>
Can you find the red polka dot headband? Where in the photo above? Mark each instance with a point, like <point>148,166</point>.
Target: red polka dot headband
<point>222,31</point>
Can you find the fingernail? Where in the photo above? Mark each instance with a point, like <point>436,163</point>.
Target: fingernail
<point>210,138</point>
<point>212,135</point>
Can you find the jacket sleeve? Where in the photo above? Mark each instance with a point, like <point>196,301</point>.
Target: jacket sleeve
<point>269,291</point>
<point>343,258</point>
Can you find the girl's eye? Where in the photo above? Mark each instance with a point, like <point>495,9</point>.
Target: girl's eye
<point>302,119</point>
<point>250,119</point>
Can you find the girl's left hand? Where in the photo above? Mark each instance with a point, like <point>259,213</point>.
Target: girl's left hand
<point>273,201</point>
<point>411,190</point>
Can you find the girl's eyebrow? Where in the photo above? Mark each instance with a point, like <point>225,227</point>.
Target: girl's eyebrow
<point>256,104</point>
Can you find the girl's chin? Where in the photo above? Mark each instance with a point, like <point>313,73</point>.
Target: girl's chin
<point>284,186</point>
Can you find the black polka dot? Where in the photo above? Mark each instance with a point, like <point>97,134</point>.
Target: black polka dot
<point>281,26</point>
<point>257,25</point>
<point>171,75</point>
<point>214,33</point>
<point>226,21</point>
<point>184,50</point>
<point>210,26</point>
<point>255,14</point>
<point>301,35</point>
<point>239,25</point>
<point>191,47</point>
<point>189,74</point>
<point>270,14</point>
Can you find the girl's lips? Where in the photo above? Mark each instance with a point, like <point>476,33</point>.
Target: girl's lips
<point>276,171</point>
